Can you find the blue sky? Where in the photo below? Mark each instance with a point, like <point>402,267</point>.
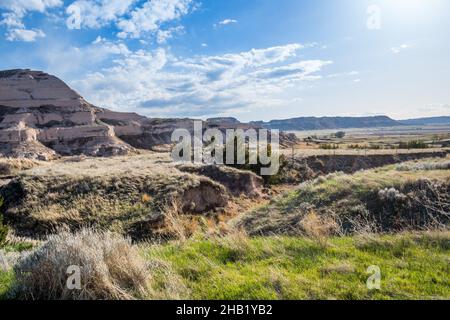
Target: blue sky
<point>253,59</point>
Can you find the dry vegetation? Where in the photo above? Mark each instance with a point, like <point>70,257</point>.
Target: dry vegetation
<point>313,242</point>
<point>126,197</point>
<point>378,200</point>
<point>110,268</point>
<point>12,166</point>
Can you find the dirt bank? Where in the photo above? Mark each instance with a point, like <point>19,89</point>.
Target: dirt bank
<point>301,169</point>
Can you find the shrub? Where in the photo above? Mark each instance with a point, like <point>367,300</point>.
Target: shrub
<point>110,268</point>
<point>5,169</point>
<point>329,146</point>
<point>256,168</point>
<point>413,145</point>
<point>340,134</point>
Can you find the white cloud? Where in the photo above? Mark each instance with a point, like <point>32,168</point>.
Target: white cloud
<point>163,35</point>
<point>24,35</point>
<point>95,14</point>
<point>397,50</point>
<point>68,61</point>
<point>16,10</point>
<point>21,7</point>
<point>158,84</point>
<point>150,17</point>
<point>227,21</point>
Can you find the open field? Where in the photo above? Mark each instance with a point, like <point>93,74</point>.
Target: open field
<point>371,141</point>
<point>413,266</point>
<point>403,132</point>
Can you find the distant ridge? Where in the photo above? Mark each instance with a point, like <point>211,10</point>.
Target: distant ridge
<point>313,123</point>
<point>426,121</point>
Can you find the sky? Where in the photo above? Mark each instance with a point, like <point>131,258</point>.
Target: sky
<point>253,59</point>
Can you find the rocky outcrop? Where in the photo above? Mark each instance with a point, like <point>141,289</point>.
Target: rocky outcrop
<point>40,117</point>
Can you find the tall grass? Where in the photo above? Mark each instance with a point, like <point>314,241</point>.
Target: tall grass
<point>110,268</point>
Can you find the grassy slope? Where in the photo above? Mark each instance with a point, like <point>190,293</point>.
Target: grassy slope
<point>413,267</point>
<point>359,184</point>
<point>338,192</point>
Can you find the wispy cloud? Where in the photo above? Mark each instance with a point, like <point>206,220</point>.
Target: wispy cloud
<point>159,84</point>
<point>151,16</point>
<point>24,35</point>
<point>225,22</point>
<point>95,14</point>
<point>399,49</point>
<point>133,19</point>
<point>16,10</point>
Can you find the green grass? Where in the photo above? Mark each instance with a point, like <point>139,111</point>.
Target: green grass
<point>7,277</point>
<point>412,266</point>
<point>6,281</point>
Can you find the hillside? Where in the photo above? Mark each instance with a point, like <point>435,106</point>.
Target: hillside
<point>393,198</point>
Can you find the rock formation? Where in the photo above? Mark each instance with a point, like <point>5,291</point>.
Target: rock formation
<point>40,116</point>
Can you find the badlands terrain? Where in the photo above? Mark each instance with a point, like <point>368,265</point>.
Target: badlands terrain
<point>85,186</point>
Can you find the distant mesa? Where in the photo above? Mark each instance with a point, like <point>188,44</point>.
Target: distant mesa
<point>426,121</point>
<point>312,123</point>
<point>224,120</point>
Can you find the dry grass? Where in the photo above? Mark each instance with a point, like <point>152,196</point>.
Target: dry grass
<point>132,165</point>
<point>376,200</point>
<point>10,166</point>
<point>341,268</point>
<point>110,268</point>
<point>319,228</point>
<point>424,166</point>
<point>175,225</point>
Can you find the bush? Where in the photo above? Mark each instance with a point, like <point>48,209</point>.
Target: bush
<point>329,146</point>
<point>256,168</point>
<point>413,145</point>
<point>340,134</point>
<point>110,268</point>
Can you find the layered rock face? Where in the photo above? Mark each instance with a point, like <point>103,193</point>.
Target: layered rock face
<point>41,117</point>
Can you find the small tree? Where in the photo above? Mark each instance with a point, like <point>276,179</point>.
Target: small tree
<point>255,168</point>
<point>340,134</point>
